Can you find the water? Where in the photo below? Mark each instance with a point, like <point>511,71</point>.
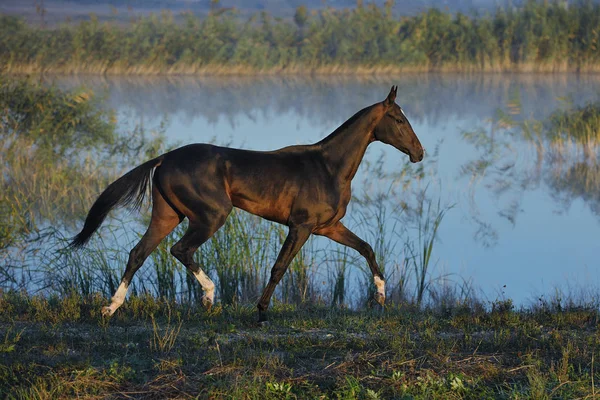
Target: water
<point>520,229</point>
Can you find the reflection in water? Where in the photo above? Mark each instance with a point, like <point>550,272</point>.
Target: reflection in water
<point>516,157</point>
<point>326,100</point>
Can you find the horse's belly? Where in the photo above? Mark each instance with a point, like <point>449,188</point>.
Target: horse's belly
<point>265,209</point>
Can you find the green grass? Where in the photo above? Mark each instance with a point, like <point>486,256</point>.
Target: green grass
<point>62,347</point>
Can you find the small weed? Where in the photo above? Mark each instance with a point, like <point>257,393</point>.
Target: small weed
<point>120,373</point>
<point>537,384</point>
<point>164,339</point>
<point>456,384</point>
<point>10,341</point>
<point>397,376</point>
<point>352,389</point>
<point>280,389</point>
<point>371,394</point>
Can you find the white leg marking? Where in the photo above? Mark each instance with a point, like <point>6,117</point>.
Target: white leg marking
<point>208,286</point>
<point>116,301</point>
<point>380,285</point>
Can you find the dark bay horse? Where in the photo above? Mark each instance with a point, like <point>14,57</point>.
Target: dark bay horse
<point>306,188</point>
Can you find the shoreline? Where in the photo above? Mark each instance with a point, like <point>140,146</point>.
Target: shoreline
<point>294,71</point>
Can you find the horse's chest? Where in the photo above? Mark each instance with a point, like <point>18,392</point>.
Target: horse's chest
<point>345,196</point>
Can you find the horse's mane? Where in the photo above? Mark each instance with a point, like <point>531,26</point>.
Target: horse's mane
<point>346,124</point>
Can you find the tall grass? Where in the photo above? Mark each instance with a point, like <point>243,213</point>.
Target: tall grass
<point>537,36</point>
<point>429,217</point>
<point>576,127</point>
<point>339,277</point>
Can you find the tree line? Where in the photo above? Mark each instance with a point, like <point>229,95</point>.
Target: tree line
<point>537,36</point>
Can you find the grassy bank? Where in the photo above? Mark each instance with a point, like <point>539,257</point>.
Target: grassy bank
<point>537,37</point>
<point>62,348</point>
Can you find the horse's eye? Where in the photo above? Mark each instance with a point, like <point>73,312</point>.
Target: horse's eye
<point>399,121</point>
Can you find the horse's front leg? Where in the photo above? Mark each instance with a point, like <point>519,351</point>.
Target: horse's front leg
<point>339,233</point>
<point>297,236</point>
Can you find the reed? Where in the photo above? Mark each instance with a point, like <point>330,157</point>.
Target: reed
<point>429,217</point>
<point>379,218</point>
<point>339,279</point>
<point>535,37</point>
<point>580,125</point>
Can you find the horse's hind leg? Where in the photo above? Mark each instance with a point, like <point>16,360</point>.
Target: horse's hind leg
<point>164,220</point>
<point>202,227</point>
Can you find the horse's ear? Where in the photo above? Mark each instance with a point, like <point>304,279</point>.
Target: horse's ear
<point>392,96</point>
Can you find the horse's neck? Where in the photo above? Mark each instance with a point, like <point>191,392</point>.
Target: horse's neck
<point>344,149</point>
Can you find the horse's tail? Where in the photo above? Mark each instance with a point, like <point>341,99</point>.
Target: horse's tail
<point>130,189</point>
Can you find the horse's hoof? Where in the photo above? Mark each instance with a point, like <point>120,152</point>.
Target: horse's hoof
<point>380,298</point>
<point>107,311</point>
<point>264,323</point>
<point>207,303</point>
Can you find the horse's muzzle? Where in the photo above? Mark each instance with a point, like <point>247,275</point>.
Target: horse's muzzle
<point>416,158</point>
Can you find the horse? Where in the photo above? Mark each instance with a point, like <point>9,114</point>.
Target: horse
<point>306,187</point>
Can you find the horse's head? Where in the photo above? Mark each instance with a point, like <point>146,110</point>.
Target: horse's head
<point>394,129</point>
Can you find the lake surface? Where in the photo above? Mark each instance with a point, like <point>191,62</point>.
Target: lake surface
<point>522,226</point>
